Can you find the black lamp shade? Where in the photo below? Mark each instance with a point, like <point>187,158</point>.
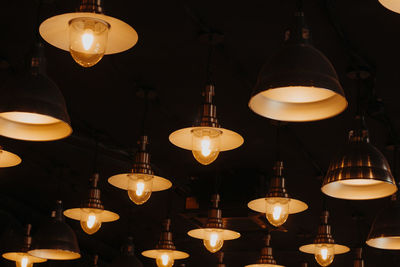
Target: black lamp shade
<point>127,257</point>
<point>298,84</point>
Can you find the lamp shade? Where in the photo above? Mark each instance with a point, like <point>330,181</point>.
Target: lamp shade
<point>55,240</point>
<point>392,5</point>
<point>266,258</point>
<point>32,107</point>
<point>385,231</point>
<point>298,83</point>
<point>8,159</point>
<point>359,171</point>
<point>127,257</point>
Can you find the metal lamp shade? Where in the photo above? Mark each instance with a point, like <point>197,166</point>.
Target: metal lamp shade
<point>55,240</point>
<point>392,5</point>
<point>385,232</point>
<point>34,94</point>
<point>359,172</point>
<point>127,257</point>
<point>8,159</point>
<point>298,84</point>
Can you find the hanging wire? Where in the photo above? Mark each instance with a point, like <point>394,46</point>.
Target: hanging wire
<point>95,156</point>
<point>209,69</point>
<point>278,141</point>
<point>145,111</point>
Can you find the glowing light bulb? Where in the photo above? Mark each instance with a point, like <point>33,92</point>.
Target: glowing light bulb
<point>90,223</point>
<point>214,242</point>
<point>324,254</point>
<point>88,40</point>
<point>205,144</point>
<point>277,210</point>
<point>140,187</point>
<point>165,259</point>
<point>24,262</point>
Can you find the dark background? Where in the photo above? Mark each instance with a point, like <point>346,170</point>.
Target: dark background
<point>103,104</point>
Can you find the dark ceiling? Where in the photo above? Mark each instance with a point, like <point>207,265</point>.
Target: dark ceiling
<point>103,103</point>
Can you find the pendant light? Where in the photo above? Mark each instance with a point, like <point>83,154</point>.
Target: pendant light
<point>92,213</point>
<point>298,83</point>
<point>277,204</point>
<point>32,107</point>
<point>55,240</point>
<point>127,257</point>
<point>8,159</point>
<point>358,261</point>
<point>266,258</point>
<point>206,139</point>
<point>214,234</point>
<point>140,182</point>
<point>88,34</point>
<point>385,231</point>
<point>21,256</point>
<point>359,171</point>
<point>392,5</point>
<point>165,252</point>
<point>324,247</point>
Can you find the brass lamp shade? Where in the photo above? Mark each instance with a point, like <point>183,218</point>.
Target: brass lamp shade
<point>32,107</point>
<point>127,257</point>
<point>55,240</point>
<point>8,159</point>
<point>359,171</point>
<point>392,5</point>
<point>298,83</point>
<point>385,231</point>
<point>266,258</point>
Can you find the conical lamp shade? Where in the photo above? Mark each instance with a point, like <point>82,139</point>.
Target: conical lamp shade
<point>298,83</point>
<point>385,231</point>
<point>127,257</point>
<point>55,240</point>
<point>32,107</point>
<point>359,171</point>
<point>392,5</point>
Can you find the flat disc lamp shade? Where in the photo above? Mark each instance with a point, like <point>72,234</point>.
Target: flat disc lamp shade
<point>32,107</point>
<point>359,171</point>
<point>392,5</point>
<point>8,159</point>
<point>298,83</point>
<point>385,231</point>
<point>55,240</point>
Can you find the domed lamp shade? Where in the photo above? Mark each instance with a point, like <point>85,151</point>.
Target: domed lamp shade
<point>8,159</point>
<point>266,259</point>
<point>324,246</point>
<point>206,139</point>
<point>127,257</point>
<point>32,107</point>
<point>359,171</point>
<point>92,213</point>
<point>214,234</point>
<point>88,34</point>
<point>277,205</point>
<point>298,83</point>
<point>165,253</point>
<point>392,5</point>
<point>55,240</point>
<point>141,181</point>
<point>21,256</point>
<point>385,231</point>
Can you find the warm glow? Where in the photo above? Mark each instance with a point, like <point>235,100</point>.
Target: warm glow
<point>324,254</point>
<point>24,262</point>
<point>165,259</point>
<point>206,144</point>
<point>277,210</point>
<point>298,94</point>
<point>360,182</point>
<point>28,118</point>
<point>214,242</point>
<point>90,223</point>
<point>88,39</point>
<point>140,187</point>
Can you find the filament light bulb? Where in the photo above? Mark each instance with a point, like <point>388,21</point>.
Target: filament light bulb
<point>277,210</point>
<point>214,242</point>
<point>88,39</point>
<point>165,259</point>
<point>206,144</point>
<point>24,262</point>
<point>140,187</point>
<point>90,221</point>
<point>324,254</point>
